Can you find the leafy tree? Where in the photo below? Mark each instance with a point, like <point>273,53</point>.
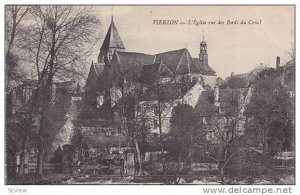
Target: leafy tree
<point>270,113</point>
<point>182,131</point>
<point>234,82</point>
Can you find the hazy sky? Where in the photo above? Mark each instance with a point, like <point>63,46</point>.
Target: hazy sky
<point>231,48</point>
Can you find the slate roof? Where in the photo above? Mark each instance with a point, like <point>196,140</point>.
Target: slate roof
<point>127,65</point>
<point>127,60</point>
<point>205,69</point>
<point>133,66</point>
<point>171,62</point>
<point>112,39</point>
<point>178,61</point>
<point>152,71</point>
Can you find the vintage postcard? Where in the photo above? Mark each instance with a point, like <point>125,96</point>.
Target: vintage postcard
<point>172,94</point>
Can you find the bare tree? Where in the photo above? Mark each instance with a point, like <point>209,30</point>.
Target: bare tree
<point>57,40</point>
<point>132,120</point>
<point>222,130</point>
<point>14,16</point>
<point>139,109</point>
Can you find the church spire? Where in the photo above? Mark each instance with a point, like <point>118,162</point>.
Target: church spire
<point>112,42</point>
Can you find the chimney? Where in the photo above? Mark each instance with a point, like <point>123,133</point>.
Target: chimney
<point>277,61</point>
<point>216,96</point>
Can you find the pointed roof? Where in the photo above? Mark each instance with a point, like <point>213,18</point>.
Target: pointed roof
<point>130,63</point>
<point>178,61</point>
<point>149,73</point>
<point>128,60</point>
<point>159,69</point>
<point>205,69</point>
<point>112,38</point>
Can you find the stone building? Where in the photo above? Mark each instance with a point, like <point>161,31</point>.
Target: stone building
<point>117,72</point>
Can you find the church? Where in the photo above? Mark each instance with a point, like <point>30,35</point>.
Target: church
<point>153,83</point>
<point>117,70</point>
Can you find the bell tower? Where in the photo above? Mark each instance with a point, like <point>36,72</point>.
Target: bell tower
<point>112,42</point>
<point>203,56</point>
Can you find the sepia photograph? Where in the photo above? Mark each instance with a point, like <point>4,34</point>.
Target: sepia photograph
<point>149,94</point>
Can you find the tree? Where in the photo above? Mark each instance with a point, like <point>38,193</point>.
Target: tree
<point>57,40</point>
<point>270,113</point>
<point>147,103</point>
<point>234,82</point>
<point>133,125</point>
<point>14,16</point>
<point>163,104</point>
<point>22,129</point>
<point>222,128</point>
<point>60,40</point>
<point>183,123</point>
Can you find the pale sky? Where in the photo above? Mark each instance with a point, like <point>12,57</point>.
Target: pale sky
<point>231,48</point>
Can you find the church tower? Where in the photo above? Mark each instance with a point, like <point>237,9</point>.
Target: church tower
<point>203,57</point>
<point>112,42</point>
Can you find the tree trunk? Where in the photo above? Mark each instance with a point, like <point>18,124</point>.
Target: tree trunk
<point>139,159</point>
<point>221,173</point>
<point>177,170</point>
<point>40,161</point>
<point>178,164</point>
<point>40,156</point>
<point>161,140</point>
<point>22,158</point>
